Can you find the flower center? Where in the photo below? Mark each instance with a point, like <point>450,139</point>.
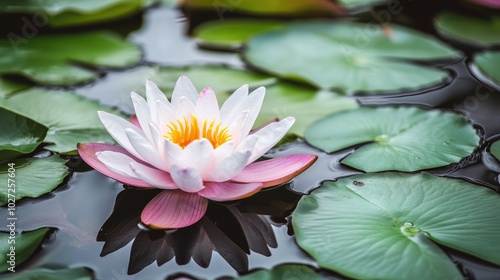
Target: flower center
<point>184,131</point>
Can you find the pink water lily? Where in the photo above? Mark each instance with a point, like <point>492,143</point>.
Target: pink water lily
<point>193,151</point>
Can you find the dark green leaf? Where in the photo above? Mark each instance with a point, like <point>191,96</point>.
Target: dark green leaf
<point>25,245</point>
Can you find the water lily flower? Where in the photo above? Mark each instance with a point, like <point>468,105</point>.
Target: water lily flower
<point>193,151</point>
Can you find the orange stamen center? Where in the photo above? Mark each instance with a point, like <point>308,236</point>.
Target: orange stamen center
<point>184,131</point>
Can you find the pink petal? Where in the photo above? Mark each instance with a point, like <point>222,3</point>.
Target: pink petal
<point>264,125</point>
<point>227,191</point>
<point>88,154</point>
<point>133,120</point>
<point>153,176</point>
<point>275,171</point>
<point>174,209</point>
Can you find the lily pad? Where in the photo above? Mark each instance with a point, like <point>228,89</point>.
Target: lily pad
<point>232,33</point>
<point>287,271</point>
<point>8,87</point>
<point>483,31</point>
<point>75,12</point>
<point>354,4</point>
<point>495,149</point>
<point>46,59</point>
<point>78,273</point>
<point>33,177</point>
<point>345,56</point>
<point>386,226</point>
<point>25,245</point>
<point>487,63</point>
<point>66,115</point>
<point>20,135</point>
<point>395,138</point>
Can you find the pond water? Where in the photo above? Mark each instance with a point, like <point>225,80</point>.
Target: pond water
<point>81,207</point>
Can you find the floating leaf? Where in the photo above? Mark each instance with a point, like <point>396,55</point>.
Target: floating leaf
<point>78,273</point>
<point>25,245</point>
<point>495,149</point>
<point>287,271</point>
<point>66,115</point>
<point>8,87</point>
<point>46,58</point>
<point>383,226</point>
<point>342,55</point>
<point>20,135</point>
<point>75,12</point>
<point>487,63</point>
<point>395,138</point>
<point>482,31</point>
<point>231,34</point>
<point>33,177</point>
<point>353,4</point>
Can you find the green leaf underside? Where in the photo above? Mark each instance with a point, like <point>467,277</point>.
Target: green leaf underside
<point>46,59</point>
<point>232,33</point>
<point>487,62</point>
<point>78,273</point>
<point>282,99</point>
<point>395,138</point>
<point>397,217</point>
<point>33,177</point>
<point>484,30</point>
<point>20,135</point>
<point>287,271</point>
<point>75,12</point>
<point>66,115</point>
<point>349,58</point>
<point>8,87</point>
<point>26,244</point>
<point>495,149</point>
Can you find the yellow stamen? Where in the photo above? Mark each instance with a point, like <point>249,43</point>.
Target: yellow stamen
<point>183,132</point>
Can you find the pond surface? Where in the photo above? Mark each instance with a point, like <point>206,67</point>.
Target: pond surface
<point>82,206</point>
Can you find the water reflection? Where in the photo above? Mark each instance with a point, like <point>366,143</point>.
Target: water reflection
<point>231,230</point>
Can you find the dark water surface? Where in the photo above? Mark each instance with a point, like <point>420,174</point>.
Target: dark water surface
<point>81,207</point>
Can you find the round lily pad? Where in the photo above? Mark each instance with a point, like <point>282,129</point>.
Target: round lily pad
<point>25,245</point>
<point>46,58</point>
<point>483,31</point>
<point>395,138</point>
<point>232,33</point>
<point>20,135</point>
<point>33,177</point>
<point>77,273</point>
<point>354,4</point>
<point>70,119</point>
<point>287,271</point>
<point>495,149</point>
<point>386,226</point>
<point>353,57</point>
<point>488,64</point>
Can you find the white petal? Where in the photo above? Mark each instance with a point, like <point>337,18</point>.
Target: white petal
<point>116,127</point>
<point>183,87</point>
<point>172,153</point>
<point>166,114</point>
<point>117,162</point>
<point>145,149</point>
<point>142,112</point>
<point>269,136</point>
<point>223,151</point>
<point>185,109</point>
<point>207,107</point>
<point>152,176</point>
<point>188,179</point>
<point>252,104</point>
<point>199,155</point>
<point>236,127</point>
<point>229,109</point>
<point>153,93</point>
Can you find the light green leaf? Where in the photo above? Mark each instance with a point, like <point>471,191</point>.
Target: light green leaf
<point>383,226</point>
<point>20,135</point>
<point>495,149</point>
<point>395,138</point>
<point>33,177</point>
<point>232,33</point>
<point>78,273</point>
<point>487,63</point>
<point>288,271</point>
<point>483,31</point>
<point>25,245</point>
<point>344,56</point>
<point>8,87</point>
<point>65,114</point>
<point>46,58</point>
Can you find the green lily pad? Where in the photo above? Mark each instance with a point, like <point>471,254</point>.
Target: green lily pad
<point>8,87</point>
<point>345,56</point>
<point>386,226</point>
<point>75,12</point>
<point>232,33</point>
<point>487,63</point>
<point>395,138</point>
<point>25,245</point>
<point>495,149</point>
<point>20,135</point>
<point>66,115</point>
<point>482,31</point>
<point>287,271</point>
<point>353,4</point>
<point>33,177</point>
<point>46,58</point>
<point>77,273</point>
